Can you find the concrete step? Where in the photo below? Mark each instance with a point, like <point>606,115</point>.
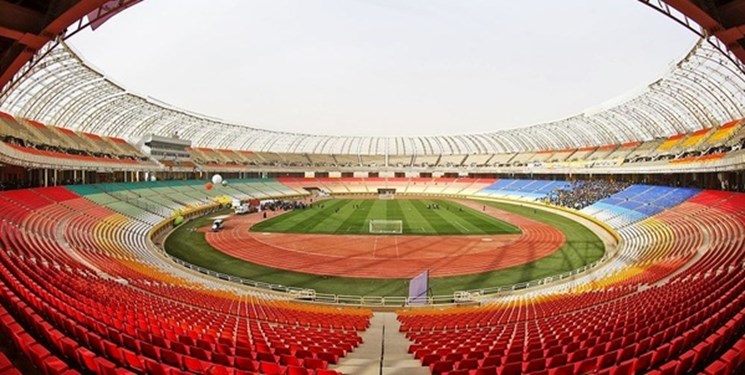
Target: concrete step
<point>383,351</point>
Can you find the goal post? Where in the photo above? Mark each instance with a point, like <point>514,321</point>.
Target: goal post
<point>386,226</point>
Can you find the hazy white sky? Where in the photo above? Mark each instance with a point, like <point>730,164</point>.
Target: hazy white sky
<point>385,67</point>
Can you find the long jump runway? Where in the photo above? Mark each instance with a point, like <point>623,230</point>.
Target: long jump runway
<point>394,256</point>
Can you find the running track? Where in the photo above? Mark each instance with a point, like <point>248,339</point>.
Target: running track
<point>398,256</point>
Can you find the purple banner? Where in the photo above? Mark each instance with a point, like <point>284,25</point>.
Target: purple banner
<point>418,288</point>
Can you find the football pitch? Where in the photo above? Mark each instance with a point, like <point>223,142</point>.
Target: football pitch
<point>417,216</point>
<point>582,246</point>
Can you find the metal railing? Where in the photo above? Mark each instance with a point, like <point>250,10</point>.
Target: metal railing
<point>301,293</point>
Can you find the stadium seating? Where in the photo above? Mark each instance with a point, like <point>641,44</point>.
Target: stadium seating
<point>31,141</point>
<point>36,142</point>
<point>522,189</point>
<point>90,295</point>
<point>83,292</point>
<point>621,322</point>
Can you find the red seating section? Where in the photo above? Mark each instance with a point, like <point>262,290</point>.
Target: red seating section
<point>692,320</point>
<point>123,315</point>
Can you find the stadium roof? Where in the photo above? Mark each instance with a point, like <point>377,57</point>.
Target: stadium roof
<point>705,89</point>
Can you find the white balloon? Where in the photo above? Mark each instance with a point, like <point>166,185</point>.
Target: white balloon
<point>216,179</point>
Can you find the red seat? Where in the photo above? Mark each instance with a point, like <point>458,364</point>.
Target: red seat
<point>192,364</point>
<point>534,365</point>
<point>716,368</point>
<point>514,368</point>
<point>475,355</point>
<point>626,353</point>
<point>150,351</point>
<point>567,369</point>
<point>328,357</point>
<point>179,348</point>
<point>685,362</point>
<point>52,365</point>
<point>221,359</point>
<point>113,352</point>
<point>491,361</point>
<point>624,368</point>
<point>133,360</point>
<point>69,347</point>
<point>468,364</point>
<point>170,358</point>
<point>271,368</point>
<point>290,360</point>
<point>104,366</point>
<point>87,358</point>
<point>219,370</point>
<point>315,363</point>
<point>155,368</point>
<point>243,363</point>
<point>642,363</point>
<point>660,355</point>
<point>5,363</point>
<point>490,370</point>
<point>266,357</point>
<point>302,354</point>
<point>455,357</point>
<point>440,367</point>
<point>669,368</point>
<point>587,366</point>
<point>608,359</point>
<point>557,360</point>
<point>200,353</point>
<point>295,370</point>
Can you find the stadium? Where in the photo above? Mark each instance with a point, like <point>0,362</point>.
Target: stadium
<point>141,238</point>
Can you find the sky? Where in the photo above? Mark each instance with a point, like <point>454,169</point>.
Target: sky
<point>385,67</point>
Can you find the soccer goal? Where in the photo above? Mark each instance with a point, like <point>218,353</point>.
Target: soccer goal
<point>386,226</point>
<point>386,196</point>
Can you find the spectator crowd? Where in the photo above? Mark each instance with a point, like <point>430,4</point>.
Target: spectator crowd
<point>283,205</point>
<point>581,194</point>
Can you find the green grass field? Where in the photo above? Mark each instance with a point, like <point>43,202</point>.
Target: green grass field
<point>581,247</point>
<point>352,216</point>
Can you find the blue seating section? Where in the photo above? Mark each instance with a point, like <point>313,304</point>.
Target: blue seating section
<point>522,189</point>
<point>637,202</point>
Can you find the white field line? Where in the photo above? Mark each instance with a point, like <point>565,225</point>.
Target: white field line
<point>463,227</point>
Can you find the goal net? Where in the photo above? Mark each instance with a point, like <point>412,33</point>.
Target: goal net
<point>386,226</point>
<point>386,196</point>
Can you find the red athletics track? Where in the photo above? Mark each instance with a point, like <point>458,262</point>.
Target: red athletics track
<point>397,256</point>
